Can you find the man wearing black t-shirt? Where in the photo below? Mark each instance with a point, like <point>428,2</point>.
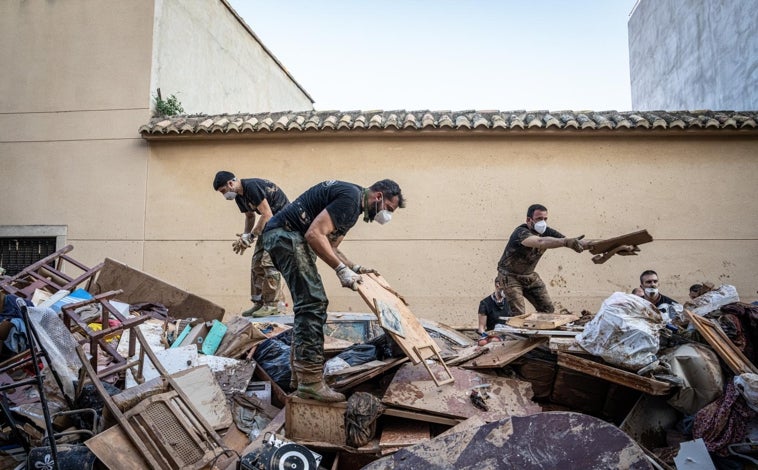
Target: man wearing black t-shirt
<point>313,225</point>
<point>491,308</point>
<point>525,247</point>
<point>256,196</point>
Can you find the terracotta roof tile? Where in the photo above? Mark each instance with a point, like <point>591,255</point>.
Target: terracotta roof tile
<point>488,121</point>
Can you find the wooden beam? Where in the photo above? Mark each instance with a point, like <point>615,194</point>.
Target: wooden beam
<point>612,374</point>
<point>721,343</point>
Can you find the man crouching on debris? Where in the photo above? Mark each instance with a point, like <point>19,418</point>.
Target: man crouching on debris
<point>314,225</point>
<point>525,247</point>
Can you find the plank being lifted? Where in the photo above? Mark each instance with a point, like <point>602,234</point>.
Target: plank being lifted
<point>401,324</point>
<point>597,247</point>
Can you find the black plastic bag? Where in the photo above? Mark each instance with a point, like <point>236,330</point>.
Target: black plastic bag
<point>273,356</point>
<point>358,354</point>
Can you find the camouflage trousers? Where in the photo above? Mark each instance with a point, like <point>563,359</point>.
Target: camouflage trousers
<point>265,280</point>
<point>529,286</point>
<point>296,261</point>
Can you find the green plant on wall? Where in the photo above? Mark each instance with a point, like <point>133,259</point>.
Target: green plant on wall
<point>171,106</point>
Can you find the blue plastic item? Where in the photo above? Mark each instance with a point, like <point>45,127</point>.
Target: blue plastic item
<point>178,341</point>
<point>213,338</point>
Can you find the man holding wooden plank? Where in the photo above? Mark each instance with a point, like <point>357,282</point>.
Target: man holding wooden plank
<point>314,225</point>
<point>527,244</point>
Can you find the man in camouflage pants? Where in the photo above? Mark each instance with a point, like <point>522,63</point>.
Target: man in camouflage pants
<point>525,247</point>
<point>314,225</point>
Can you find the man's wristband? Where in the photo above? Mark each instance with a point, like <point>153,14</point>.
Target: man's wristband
<point>565,242</point>
<point>340,267</point>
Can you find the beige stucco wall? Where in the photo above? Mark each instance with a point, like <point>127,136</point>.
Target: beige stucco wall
<point>206,57</point>
<point>465,196</point>
<point>75,87</point>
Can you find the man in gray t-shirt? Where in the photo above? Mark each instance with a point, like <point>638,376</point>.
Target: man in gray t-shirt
<point>525,248</point>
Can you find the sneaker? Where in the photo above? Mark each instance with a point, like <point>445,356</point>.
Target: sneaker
<point>249,312</point>
<point>266,310</point>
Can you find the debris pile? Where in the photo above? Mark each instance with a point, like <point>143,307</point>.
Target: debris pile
<point>109,367</point>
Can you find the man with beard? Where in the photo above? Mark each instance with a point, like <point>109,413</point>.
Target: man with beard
<point>313,225</point>
<point>525,247</point>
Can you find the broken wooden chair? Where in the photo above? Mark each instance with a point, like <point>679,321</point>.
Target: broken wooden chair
<point>98,340</point>
<point>49,274</point>
<point>166,429</point>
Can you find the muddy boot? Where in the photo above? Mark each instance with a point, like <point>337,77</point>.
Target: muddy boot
<point>318,391</point>
<point>251,311</point>
<point>266,310</point>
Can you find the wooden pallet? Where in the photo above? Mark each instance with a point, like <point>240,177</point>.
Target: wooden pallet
<point>401,324</point>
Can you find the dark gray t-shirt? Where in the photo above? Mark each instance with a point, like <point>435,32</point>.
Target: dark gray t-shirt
<point>340,199</point>
<point>255,191</point>
<point>519,259</point>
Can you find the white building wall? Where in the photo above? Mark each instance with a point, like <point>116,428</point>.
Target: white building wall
<point>694,54</point>
<point>205,56</point>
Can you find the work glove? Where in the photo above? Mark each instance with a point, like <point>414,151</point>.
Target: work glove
<point>348,277</point>
<point>364,270</point>
<point>244,242</point>
<point>574,243</point>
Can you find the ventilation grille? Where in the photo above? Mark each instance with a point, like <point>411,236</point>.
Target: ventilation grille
<point>17,253</point>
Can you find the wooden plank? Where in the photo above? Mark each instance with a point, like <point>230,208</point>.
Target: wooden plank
<point>420,416</point>
<point>403,433</point>
<point>634,238</point>
<point>721,343</point>
<point>351,381</point>
<point>142,287</point>
<point>311,420</point>
<point>278,396</point>
<point>371,365</point>
<point>468,353</point>
<point>528,332</point>
<point>413,389</point>
<point>565,345</point>
<point>373,289</point>
<point>541,321</point>
<point>114,449</point>
<point>502,354</point>
<point>612,374</point>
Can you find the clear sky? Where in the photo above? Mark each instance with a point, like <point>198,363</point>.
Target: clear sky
<point>451,55</point>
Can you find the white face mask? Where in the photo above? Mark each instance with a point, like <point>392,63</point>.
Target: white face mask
<point>540,227</point>
<point>229,195</point>
<point>383,216</point>
<point>651,291</point>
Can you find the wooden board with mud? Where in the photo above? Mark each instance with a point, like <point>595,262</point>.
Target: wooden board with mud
<point>413,389</point>
<point>639,237</point>
<point>541,321</point>
<point>503,353</point>
<point>613,374</point>
<point>415,341</point>
<point>724,347</point>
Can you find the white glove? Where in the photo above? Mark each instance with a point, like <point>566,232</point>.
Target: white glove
<point>348,277</point>
<point>244,242</point>
<point>247,238</point>
<point>364,270</point>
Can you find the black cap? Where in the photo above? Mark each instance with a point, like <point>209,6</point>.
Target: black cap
<point>222,177</point>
